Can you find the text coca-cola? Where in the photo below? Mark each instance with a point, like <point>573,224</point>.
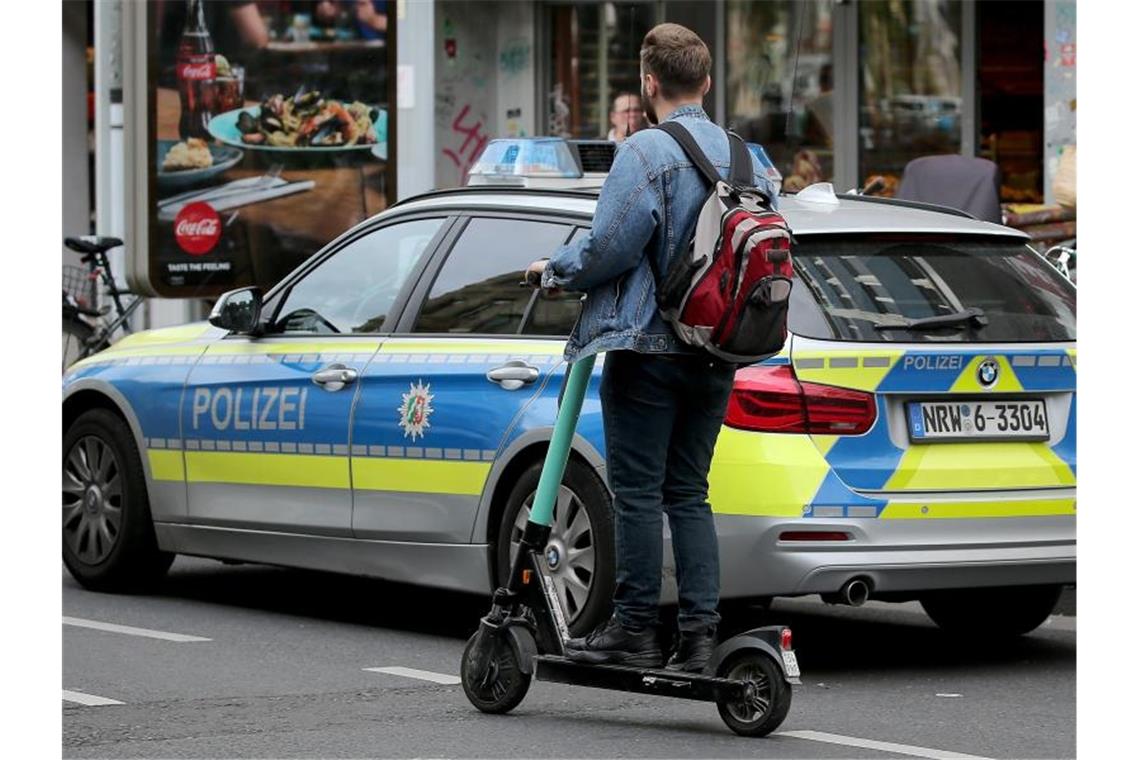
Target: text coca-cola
<point>197,228</point>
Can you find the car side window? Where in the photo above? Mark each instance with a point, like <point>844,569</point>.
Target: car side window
<point>353,290</point>
<point>477,289</point>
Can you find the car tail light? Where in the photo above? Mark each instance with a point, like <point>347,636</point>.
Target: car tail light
<point>838,411</point>
<point>773,400</point>
<point>786,638</point>
<point>768,399</point>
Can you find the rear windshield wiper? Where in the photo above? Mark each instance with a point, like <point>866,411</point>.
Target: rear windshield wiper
<point>971,317</point>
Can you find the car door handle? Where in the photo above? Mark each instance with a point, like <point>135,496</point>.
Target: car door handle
<point>513,375</point>
<point>335,376</point>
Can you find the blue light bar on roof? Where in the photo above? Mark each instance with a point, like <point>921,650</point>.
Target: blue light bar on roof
<point>527,157</point>
<point>770,170</point>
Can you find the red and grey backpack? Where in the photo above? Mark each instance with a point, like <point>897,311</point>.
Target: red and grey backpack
<point>728,293</point>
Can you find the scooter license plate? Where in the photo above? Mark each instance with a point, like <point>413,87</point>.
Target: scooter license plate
<point>790,664</point>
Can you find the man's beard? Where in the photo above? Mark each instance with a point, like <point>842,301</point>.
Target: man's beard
<point>650,111</point>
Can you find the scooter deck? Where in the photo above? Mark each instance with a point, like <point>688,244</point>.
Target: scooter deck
<point>668,683</point>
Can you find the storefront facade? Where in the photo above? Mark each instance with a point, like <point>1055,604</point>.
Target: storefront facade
<point>836,90</point>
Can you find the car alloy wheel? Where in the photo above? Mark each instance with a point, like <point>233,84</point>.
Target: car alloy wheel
<point>569,552</point>
<point>579,557</point>
<point>109,542</point>
<point>92,499</point>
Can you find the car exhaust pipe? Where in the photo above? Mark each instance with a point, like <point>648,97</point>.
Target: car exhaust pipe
<point>853,593</point>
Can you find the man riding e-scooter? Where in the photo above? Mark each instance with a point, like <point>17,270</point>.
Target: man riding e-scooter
<point>663,402</point>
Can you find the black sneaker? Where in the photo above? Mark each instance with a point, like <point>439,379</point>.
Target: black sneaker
<point>693,651</point>
<point>613,644</point>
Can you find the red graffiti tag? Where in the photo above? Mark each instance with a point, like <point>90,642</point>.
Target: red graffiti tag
<point>473,144</point>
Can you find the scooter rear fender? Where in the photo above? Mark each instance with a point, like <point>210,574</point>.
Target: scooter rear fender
<point>765,639</point>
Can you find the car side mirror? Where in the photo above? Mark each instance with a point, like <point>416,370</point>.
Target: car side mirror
<point>238,311</point>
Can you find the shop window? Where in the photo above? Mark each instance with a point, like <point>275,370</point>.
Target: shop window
<point>910,90</point>
<point>776,98</point>
<point>1011,82</point>
<point>595,51</point>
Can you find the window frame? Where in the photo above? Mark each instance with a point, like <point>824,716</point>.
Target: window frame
<point>418,297</point>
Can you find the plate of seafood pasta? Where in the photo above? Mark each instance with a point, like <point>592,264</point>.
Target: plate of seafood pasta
<point>307,122</point>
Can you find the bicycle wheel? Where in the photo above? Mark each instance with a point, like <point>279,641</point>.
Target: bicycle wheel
<point>76,334</point>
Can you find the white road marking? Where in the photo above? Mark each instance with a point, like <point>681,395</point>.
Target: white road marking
<point>901,749</point>
<point>87,699</point>
<point>131,630</point>
<point>947,694</point>
<point>423,675</point>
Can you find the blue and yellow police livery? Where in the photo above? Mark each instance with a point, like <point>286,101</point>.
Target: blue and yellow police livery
<point>915,440</point>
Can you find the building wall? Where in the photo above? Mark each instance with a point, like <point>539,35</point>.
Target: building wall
<point>1060,85</point>
<point>415,75</point>
<point>76,200</point>
<point>516,72</point>
<point>484,81</point>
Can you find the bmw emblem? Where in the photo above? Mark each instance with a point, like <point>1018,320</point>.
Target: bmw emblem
<point>988,373</point>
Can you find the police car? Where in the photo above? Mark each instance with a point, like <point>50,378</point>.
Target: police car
<point>384,411</point>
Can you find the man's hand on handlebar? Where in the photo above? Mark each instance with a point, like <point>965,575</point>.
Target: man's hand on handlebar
<point>533,276</point>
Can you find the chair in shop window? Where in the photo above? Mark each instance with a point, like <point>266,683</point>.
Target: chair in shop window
<point>962,182</point>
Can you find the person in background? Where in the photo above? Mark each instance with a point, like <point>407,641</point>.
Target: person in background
<point>626,117</point>
<point>250,27</point>
<point>371,15</point>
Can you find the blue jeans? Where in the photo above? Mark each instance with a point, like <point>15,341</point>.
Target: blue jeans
<point>662,414</point>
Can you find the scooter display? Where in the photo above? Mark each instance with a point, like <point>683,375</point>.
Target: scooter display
<point>749,676</point>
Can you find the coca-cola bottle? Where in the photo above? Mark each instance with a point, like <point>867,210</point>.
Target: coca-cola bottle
<point>195,69</point>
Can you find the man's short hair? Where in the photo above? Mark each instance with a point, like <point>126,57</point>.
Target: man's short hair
<point>677,57</point>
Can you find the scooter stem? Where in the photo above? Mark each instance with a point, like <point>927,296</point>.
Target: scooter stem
<point>542,511</point>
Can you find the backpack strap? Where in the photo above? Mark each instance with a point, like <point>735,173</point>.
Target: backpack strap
<point>740,166</point>
<point>692,150</point>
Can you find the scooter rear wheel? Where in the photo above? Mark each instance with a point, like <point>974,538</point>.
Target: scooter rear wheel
<point>771,698</point>
<point>502,685</point>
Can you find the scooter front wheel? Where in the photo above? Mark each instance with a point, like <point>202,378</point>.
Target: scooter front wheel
<point>770,699</point>
<point>501,685</point>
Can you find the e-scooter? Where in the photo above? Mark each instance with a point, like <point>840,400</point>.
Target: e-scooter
<point>749,676</point>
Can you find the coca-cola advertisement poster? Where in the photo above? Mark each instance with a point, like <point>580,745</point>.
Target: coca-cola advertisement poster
<point>269,132</point>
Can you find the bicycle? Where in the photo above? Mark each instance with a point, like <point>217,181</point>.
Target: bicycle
<point>84,330</point>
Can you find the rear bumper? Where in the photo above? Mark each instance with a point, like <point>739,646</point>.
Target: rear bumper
<point>893,555</point>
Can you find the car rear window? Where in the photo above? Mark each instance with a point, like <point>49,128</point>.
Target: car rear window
<point>873,288</point>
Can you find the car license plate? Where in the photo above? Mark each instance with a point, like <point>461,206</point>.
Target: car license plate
<point>790,665</point>
<point>1020,420</point>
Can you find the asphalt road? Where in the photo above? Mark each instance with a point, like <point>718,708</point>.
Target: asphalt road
<point>281,672</point>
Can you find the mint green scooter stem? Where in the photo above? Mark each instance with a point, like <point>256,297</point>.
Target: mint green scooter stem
<point>542,511</point>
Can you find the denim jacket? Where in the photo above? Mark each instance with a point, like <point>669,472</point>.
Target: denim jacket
<point>648,206</point>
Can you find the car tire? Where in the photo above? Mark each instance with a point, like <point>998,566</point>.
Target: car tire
<point>1006,611</point>
<point>108,536</point>
<point>588,499</point>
